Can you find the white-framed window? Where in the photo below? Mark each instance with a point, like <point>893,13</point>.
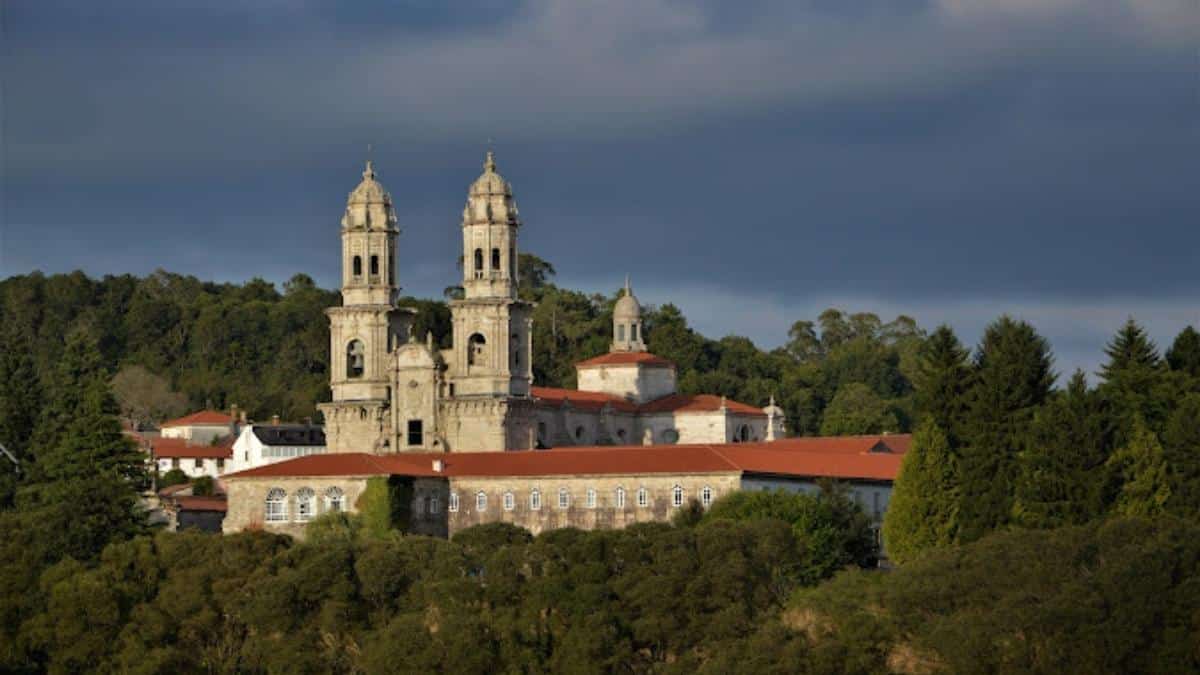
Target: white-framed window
<point>564,498</point>
<point>510,501</point>
<point>591,498</point>
<point>619,498</point>
<point>452,504</point>
<point>481,501</point>
<point>419,505</point>
<point>643,497</point>
<point>276,506</point>
<point>435,504</point>
<point>335,499</point>
<point>706,495</point>
<point>535,500</point>
<point>199,465</point>
<point>677,496</point>
<point>306,504</point>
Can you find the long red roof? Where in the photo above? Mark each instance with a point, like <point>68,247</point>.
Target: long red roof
<point>166,448</point>
<point>584,400</point>
<point>772,458</point>
<point>626,358</point>
<point>688,403</point>
<point>202,418</point>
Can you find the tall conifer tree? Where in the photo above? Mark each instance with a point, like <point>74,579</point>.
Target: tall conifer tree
<point>1181,449</point>
<point>1139,472</point>
<point>1135,381</point>
<point>1013,378</point>
<point>923,510</point>
<point>942,381</point>
<point>1184,354</point>
<point>20,402</point>
<point>1059,475</point>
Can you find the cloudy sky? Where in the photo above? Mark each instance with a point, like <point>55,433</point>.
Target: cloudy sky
<point>753,162</point>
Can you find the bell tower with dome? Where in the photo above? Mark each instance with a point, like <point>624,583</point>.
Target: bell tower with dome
<point>627,323</point>
<point>489,369</point>
<point>367,326</point>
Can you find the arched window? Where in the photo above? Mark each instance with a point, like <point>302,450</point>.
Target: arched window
<point>374,265</point>
<point>335,500</point>
<point>579,431</point>
<point>591,498</point>
<point>542,435</point>
<point>356,359</point>
<point>643,497</point>
<point>481,501</point>
<point>276,506</point>
<point>620,332</point>
<point>512,262</point>
<point>452,503</point>
<point>306,504</point>
<point>619,498</point>
<point>495,260</point>
<point>677,496</point>
<point>670,436</point>
<point>358,265</point>
<point>510,501</point>
<point>743,434</point>
<point>478,263</point>
<point>475,350</point>
<point>435,504</point>
<point>706,495</point>
<point>564,498</point>
<point>535,499</point>
<point>621,435</point>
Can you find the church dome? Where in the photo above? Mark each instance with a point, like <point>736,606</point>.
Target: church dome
<point>369,191</point>
<point>490,182</point>
<point>627,306</point>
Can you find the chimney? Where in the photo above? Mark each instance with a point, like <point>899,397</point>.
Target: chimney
<point>275,420</point>
<point>437,466</point>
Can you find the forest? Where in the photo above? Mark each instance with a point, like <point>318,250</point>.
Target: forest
<point>1037,525</point>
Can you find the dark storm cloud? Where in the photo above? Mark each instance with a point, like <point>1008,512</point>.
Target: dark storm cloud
<point>1013,155</point>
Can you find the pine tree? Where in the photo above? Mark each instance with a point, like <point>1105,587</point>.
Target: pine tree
<point>923,511</point>
<point>20,401</point>
<point>64,389</point>
<point>1136,383</point>
<point>942,381</point>
<point>1013,378</point>
<point>1139,472</point>
<point>1057,480</point>
<point>1184,354</point>
<point>1181,448</point>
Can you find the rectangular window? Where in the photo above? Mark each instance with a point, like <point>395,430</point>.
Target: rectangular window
<point>510,501</point>
<point>199,464</point>
<point>175,463</point>
<point>416,433</point>
<point>643,498</point>
<point>564,498</point>
<point>452,503</point>
<point>220,464</point>
<point>620,332</point>
<point>633,332</point>
<point>591,498</point>
<point>435,504</point>
<point>481,502</point>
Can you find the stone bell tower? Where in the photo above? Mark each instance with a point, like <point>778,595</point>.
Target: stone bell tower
<point>489,374</point>
<point>367,326</point>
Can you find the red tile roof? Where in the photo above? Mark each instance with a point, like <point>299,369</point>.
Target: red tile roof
<point>688,403</point>
<point>772,458</point>
<point>181,448</point>
<point>625,358</point>
<point>190,503</point>
<point>584,400</point>
<point>202,418</point>
<point>894,443</point>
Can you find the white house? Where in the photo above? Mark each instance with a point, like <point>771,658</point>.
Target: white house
<point>193,459</point>
<point>261,444</point>
<point>200,427</point>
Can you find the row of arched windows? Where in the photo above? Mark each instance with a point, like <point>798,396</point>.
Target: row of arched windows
<point>302,506</point>
<point>357,265</point>
<point>495,267</point>
<point>591,498</point>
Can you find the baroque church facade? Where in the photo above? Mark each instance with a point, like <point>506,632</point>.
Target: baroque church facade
<point>395,392</point>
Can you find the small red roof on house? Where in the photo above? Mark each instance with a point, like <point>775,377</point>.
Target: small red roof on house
<point>584,400</point>
<point>202,418</point>
<point>626,358</point>
<point>689,403</point>
<point>191,503</point>
<point>769,458</point>
<point>167,448</point>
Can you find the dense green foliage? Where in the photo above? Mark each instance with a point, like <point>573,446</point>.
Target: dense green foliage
<point>1115,596</point>
<point>923,511</point>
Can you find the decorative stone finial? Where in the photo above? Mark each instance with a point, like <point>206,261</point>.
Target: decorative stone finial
<point>772,402</point>
<point>429,340</point>
<point>489,164</point>
<point>723,406</point>
<point>369,172</point>
<point>628,290</point>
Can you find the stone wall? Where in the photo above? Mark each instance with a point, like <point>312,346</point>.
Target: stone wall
<point>247,500</point>
<point>604,515</point>
<point>632,381</point>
